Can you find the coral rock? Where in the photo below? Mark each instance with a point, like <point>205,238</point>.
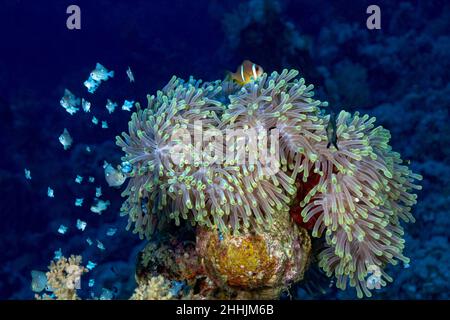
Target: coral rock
<point>255,265</point>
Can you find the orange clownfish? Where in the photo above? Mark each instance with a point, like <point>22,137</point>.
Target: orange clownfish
<point>246,72</point>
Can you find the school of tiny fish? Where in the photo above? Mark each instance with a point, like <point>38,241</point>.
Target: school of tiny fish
<point>114,176</point>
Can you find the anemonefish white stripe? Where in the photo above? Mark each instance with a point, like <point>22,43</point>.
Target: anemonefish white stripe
<point>242,72</point>
<point>254,72</point>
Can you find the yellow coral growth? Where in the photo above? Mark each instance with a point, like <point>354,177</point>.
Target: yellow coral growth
<point>63,278</point>
<point>255,262</point>
<point>156,288</point>
<point>243,259</point>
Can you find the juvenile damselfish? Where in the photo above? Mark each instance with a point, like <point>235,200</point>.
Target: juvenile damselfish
<point>100,73</point>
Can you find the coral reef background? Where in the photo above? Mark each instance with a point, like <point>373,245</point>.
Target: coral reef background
<point>398,74</point>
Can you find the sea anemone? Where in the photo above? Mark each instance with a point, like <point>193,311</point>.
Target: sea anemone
<point>352,197</point>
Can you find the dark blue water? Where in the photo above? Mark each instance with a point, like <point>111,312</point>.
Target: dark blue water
<point>398,74</point>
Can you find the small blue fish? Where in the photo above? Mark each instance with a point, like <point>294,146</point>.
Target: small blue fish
<point>86,105</point>
<point>100,73</point>
<point>79,202</point>
<point>94,120</point>
<point>81,225</point>
<point>62,229</point>
<point>91,179</point>
<point>27,174</point>
<point>89,241</point>
<point>38,281</point>
<point>88,149</point>
<point>78,179</point>
<point>99,206</point>
<point>91,85</point>
<point>126,167</point>
<point>58,254</point>
<point>100,245</point>
<point>65,139</point>
<point>104,125</point>
<point>50,192</point>
<point>69,102</point>
<point>114,178</point>
<point>177,286</point>
<point>98,192</point>
<point>127,105</point>
<point>91,265</point>
<point>373,282</point>
<point>130,75</point>
<point>111,231</point>
<point>91,283</point>
<point>106,294</point>
<point>110,106</point>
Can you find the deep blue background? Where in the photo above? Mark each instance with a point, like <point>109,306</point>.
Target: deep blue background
<point>398,74</point>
